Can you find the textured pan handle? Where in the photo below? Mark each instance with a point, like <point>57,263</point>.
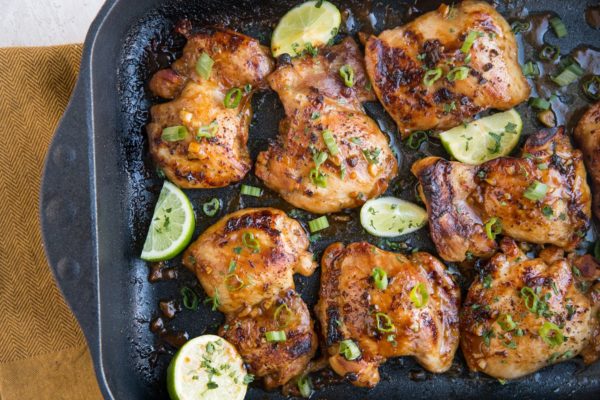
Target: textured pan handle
<point>66,212</point>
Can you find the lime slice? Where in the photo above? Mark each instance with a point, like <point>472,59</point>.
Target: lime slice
<point>172,225</point>
<point>390,216</point>
<point>207,368</point>
<point>305,24</point>
<point>484,139</point>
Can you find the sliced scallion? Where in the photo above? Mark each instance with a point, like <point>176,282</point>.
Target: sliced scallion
<point>330,142</point>
<point>251,242</point>
<point>520,26</point>
<point>551,334</point>
<point>506,322</point>
<point>208,131</point>
<point>349,349</point>
<point>251,191</point>
<point>469,40</point>
<point>591,87</point>
<point>233,98</point>
<point>204,65</point>
<point>282,315</point>
<point>347,74</point>
<point>211,208</point>
<point>530,298</point>
<point>233,282</point>
<point>539,103</point>
<point>559,27</point>
<point>549,53</point>
<point>380,278</point>
<point>493,227</point>
<point>431,76</point>
<point>531,69</point>
<point>190,298</point>
<point>276,336</point>
<point>536,191</point>
<point>419,295</point>
<point>384,323</point>
<point>416,138</point>
<point>174,133</point>
<point>568,75</point>
<point>318,224</point>
<point>305,386</point>
<point>458,74</point>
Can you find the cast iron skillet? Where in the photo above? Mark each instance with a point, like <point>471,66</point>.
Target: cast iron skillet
<point>99,188</point>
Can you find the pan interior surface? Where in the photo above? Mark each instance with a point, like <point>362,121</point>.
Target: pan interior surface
<point>136,344</point>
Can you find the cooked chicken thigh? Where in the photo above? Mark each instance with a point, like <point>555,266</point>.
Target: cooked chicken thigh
<point>248,257</point>
<point>213,152</point>
<point>587,136</point>
<point>415,313</point>
<point>523,314</point>
<point>470,39</point>
<point>540,198</point>
<point>275,361</point>
<point>300,166</point>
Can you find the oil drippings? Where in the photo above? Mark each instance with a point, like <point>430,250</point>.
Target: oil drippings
<point>173,338</point>
<point>592,16</point>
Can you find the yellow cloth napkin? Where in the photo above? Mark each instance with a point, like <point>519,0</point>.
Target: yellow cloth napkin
<point>43,354</point>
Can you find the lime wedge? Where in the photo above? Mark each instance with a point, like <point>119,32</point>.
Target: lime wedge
<point>390,216</point>
<point>484,139</point>
<point>191,373</point>
<point>172,225</point>
<point>311,23</point>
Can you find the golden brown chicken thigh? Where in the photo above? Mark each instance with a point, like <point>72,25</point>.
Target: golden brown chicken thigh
<point>300,166</point>
<point>249,256</point>
<point>213,152</point>
<point>541,198</point>
<point>587,136</point>
<point>523,313</point>
<point>470,39</point>
<point>275,361</point>
<point>414,314</point>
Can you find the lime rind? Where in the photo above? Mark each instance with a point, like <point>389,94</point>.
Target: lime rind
<point>305,24</point>
<point>171,227</point>
<point>477,142</point>
<point>391,216</point>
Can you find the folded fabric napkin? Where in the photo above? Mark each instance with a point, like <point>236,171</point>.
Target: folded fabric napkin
<point>43,354</point>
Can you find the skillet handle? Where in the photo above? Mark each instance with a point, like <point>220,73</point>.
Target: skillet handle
<point>66,212</point>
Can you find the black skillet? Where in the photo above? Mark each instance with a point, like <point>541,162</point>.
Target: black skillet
<point>99,189</point>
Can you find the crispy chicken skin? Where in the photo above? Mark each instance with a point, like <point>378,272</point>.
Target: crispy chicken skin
<point>398,59</point>
<point>461,198</point>
<point>275,362</point>
<point>349,301</point>
<point>217,161</point>
<point>502,330</point>
<point>587,136</point>
<point>316,99</point>
<point>260,272</point>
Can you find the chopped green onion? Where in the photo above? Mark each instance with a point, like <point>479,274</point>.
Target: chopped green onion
<point>531,69</point>
<point>251,242</point>
<point>349,349</point>
<point>212,207</point>
<point>318,224</point>
<point>549,53</point>
<point>416,138</point>
<point>232,267</point>
<point>276,336</point>
<point>283,308</point>
<point>419,295</point>
<point>559,27</point>
<point>458,74</point>
<point>233,98</point>
<point>551,334</point>
<point>469,40</point>
<point>251,191</point>
<point>318,178</point>
<point>520,26</point>
<point>536,191</point>
<point>506,322</point>
<point>347,74</point>
<point>330,142</point>
<point>493,227</point>
<point>431,76</point>
<point>591,87</point>
<point>174,133</point>
<point>380,278</point>
<point>539,103</point>
<point>208,131</point>
<point>213,301</point>
<point>384,323</point>
<point>204,65</point>
<point>568,75</point>
<point>305,386</point>
<point>237,283</point>
<point>190,298</point>
<point>531,299</point>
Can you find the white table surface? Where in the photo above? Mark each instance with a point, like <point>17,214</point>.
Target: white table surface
<point>45,22</point>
